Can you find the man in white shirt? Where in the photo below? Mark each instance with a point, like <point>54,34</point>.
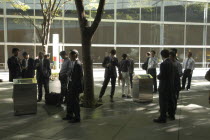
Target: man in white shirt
<point>188,65</point>
<point>152,65</point>
<point>64,75</point>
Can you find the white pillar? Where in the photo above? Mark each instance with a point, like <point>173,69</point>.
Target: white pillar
<point>56,50</point>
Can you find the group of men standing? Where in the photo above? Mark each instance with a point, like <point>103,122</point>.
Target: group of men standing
<point>169,82</point>
<point>70,76</point>
<point>26,67</point>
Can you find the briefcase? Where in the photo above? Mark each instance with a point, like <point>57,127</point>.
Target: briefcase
<point>52,98</point>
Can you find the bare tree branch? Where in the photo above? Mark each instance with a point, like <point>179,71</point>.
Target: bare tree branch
<point>28,18</point>
<point>98,17</point>
<point>55,10</point>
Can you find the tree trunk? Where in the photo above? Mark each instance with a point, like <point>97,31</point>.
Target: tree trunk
<point>89,100</point>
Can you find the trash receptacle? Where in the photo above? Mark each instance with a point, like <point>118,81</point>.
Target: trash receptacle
<point>142,88</point>
<point>25,96</point>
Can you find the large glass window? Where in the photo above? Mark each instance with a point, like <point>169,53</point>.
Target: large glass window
<point>194,35</point>
<point>128,9</point>
<point>209,13</point>
<point>15,11</point>
<point>174,11</point>
<point>104,34</point>
<point>19,30</point>
<point>72,32</point>
<point>208,57</point>
<point>150,34</point>
<point>1,30</point>
<point>131,51</point>
<point>127,33</point>
<point>173,34</point>
<point>108,10</point>
<point>197,55</point>
<point>150,10</point>
<point>56,28</point>
<point>195,12</point>
<point>71,11</point>
<point>2,57</point>
<point>208,35</point>
<point>1,8</point>
<point>98,54</point>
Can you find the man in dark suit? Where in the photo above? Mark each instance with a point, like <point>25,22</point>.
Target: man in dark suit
<point>42,74</point>
<point>14,65</point>
<point>131,70</point>
<point>27,66</point>
<point>75,87</point>
<point>110,63</point>
<point>166,89</point>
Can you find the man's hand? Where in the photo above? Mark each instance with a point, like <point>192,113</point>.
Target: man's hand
<point>108,65</point>
<point>191,72</point>
<point>120,76</point>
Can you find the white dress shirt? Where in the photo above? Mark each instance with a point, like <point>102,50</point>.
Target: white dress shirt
<point>152,63</point>
<point>66,67</point>
<point>189,63</point>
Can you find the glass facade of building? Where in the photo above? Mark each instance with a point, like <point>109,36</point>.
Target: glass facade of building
<point>130,26</point>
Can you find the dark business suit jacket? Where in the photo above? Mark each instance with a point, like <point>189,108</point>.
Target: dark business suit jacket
<point>14,66</point>
<point>30,71</point>
<point>131,68</point>
<point>110,71</point>
<point>166,77</point>
<point>44,71</point>
<point>76,82</point>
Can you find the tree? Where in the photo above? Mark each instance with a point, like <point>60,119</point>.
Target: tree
<point>50,9</point>
<point>87,33</point>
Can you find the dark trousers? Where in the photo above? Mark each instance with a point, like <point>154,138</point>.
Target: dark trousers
<point>64,88</point>
<point>167,104</point>
<point>131,79</point>
<point>154,75</point>
<point>105,83</point>
<point>73,108</point>
<point>187,74</point>
<point>176,99</point>
<point>45,82</point>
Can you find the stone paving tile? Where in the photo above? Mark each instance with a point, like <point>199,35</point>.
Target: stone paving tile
<point>121,120</point>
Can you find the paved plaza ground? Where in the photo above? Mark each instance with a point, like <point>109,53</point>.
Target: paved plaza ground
<point>121,120</point>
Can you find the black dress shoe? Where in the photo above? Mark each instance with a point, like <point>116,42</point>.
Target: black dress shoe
<point>123,96</point>
<point>129,97</point>
<point>39,100</point>
<point>188,89</point>
<point>74,121</point>
<point>182,88</point>
<point>172,118</point>
<point>58,105</point>
<point>67,118</point>
<point>159,120</point>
